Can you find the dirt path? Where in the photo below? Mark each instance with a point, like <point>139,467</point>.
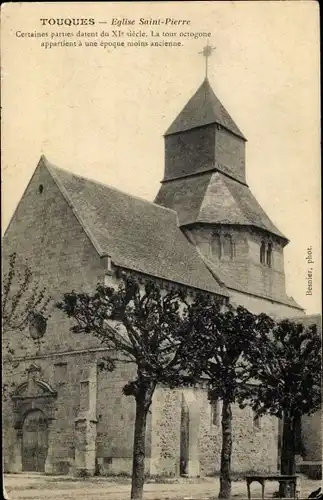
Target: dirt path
<point>40,487</point>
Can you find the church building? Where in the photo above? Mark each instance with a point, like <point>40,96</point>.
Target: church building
<point>204,231</point>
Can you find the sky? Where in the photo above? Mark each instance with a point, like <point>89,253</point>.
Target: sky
<point>102,112</point>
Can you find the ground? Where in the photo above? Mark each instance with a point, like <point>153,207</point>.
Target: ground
<point>40,487</point>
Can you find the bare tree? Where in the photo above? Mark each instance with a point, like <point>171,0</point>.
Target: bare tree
<point>25,304</point>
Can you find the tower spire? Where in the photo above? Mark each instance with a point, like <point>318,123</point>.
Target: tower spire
<point>207,51</point>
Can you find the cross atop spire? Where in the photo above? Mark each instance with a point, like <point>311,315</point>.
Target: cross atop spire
<point>207,51</point>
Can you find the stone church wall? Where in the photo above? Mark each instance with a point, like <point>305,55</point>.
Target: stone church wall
<point>165,432</point>
<point>255,446</point>
<point>310,463</point>
<point>258,305</point>
<point>66,405</point>
<point>266,280</point>
<point>60,254</point>
<point>254,449</point>
<point>312,436</point>
<point>244,265</point>
<point>115,427</point>
<point>244,269</point>
<point>112,414</point>
<point>237,267</point>
<point>63,374</point>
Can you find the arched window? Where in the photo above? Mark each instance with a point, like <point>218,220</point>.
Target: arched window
<point>222,246</point>
<point>263,252</point>
<point>227,246</point>
<point>269,254</point>
<point>216,245</point>
<point>215,413</point>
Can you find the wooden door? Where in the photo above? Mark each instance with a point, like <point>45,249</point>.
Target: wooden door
<point>34,442</point>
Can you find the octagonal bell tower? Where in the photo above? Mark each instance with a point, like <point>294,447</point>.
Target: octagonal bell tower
<point>205,183</point>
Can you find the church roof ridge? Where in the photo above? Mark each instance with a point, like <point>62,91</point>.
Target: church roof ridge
<point>203,108</point>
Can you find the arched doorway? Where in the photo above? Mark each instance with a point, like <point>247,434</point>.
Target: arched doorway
<point>184,439</point>
<point>189,434</point>
<point>34,441</point>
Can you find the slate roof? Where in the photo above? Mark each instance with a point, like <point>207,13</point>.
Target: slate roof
<point>185,196</point>
<point>136,234</point>
<point>215,198</point>
<point>203,109</point>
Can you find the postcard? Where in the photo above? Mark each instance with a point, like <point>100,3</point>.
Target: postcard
<point>178,144</point>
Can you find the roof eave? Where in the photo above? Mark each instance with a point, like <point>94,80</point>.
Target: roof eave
<point>281,237</point>
<point>223,293</point>
<point>186,129</point>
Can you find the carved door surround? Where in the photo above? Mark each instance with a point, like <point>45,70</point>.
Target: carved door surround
<point>32,396</point>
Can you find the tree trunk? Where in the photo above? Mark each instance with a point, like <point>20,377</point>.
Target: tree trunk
<point>225,471</point>
<point>287,461</point>
<point>143,402</point>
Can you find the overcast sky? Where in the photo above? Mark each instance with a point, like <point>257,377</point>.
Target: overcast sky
<point>102,113</point>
